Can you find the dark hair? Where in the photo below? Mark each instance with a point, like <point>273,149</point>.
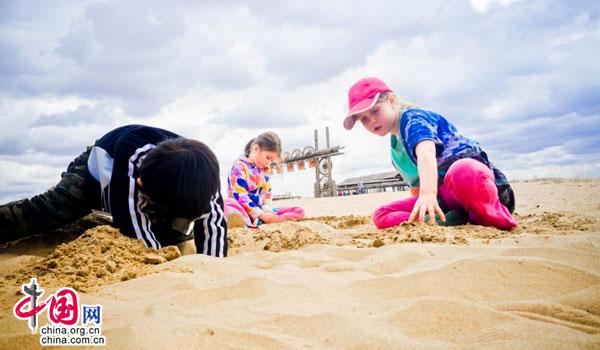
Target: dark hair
<point>267,141</point>
<point>181,175</point>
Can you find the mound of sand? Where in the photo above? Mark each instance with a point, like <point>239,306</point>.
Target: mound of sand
<point>343,221</point>
<point>100,256</point>
<point>274,238</point>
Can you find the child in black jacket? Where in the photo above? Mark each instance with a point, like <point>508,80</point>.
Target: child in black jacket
<point>159,187</point>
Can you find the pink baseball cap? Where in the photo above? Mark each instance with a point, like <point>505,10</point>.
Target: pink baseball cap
<point>362,96</point>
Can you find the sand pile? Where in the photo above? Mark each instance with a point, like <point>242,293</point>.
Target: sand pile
<point>275,238</point>
<point>287,236</point>
<point>342,221</point>
<point>100,256</point>
<point>358,231</point>
<point>407,233</point>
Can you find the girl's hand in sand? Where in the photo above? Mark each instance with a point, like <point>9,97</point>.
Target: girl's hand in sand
<point>269,217</point>
<point>426,204</point>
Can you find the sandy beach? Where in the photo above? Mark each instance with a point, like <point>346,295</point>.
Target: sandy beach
<point>334,281</point>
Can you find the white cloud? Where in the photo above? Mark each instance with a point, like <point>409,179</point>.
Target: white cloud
<point>553,161</point>
<point>484,5</point>
<point>24,180</point>
<point>518,75</point>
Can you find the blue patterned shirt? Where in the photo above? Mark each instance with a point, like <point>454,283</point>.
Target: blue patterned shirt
<point>417,125</point>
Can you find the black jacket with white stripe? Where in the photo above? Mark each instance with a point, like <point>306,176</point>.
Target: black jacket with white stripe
<point>114,162</point>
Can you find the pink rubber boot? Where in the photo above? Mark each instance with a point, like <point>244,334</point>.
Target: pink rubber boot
<point>290,212</point>
<point>394,214</point>
<point>469,185</point>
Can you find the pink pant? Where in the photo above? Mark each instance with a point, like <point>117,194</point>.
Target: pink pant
<point>468,185</point>
<point>233,206</point>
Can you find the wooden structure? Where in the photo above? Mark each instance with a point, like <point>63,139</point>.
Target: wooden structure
<point>320,159</point>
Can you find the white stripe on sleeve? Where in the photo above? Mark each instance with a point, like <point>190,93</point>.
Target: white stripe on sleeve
<point>142,233</point>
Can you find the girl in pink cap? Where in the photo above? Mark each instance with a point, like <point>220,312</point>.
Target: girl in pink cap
<point>449,174</point>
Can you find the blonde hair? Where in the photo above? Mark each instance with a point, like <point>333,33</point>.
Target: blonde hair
<point>402,105</point>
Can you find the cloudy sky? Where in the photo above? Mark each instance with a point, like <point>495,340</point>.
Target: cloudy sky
<point>522,77</point>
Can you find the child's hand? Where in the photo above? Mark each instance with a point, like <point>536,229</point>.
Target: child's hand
<point>269,217</point>
<point>426,204</point>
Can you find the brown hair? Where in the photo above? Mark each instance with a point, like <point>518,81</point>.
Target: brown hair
<point>267,141</point>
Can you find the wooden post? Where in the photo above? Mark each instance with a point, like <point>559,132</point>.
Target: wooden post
<point>317,177</point>
<point>329,176</point>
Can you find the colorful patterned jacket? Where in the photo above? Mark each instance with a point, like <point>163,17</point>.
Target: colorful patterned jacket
<point>250,186</point>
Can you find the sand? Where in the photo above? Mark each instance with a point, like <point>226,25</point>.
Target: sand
<point>334,281</point>
<point>102,255</point>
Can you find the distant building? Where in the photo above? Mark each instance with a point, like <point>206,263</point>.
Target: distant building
<point>383,182</point>
<point>287,195</point>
